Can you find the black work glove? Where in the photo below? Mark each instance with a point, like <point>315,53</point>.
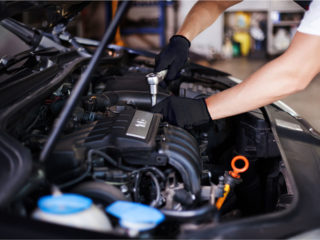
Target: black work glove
<point>173,57</point>
<point>184,112</point>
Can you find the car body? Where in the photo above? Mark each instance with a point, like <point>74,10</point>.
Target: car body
<point>278,196</point>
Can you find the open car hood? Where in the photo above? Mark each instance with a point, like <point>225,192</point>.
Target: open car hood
<point>56,11</point>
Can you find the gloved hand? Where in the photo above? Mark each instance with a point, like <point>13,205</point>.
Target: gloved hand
<point>173,57</point>
<point>184,112</point>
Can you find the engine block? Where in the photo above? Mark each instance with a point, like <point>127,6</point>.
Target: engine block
<point>138,138</point>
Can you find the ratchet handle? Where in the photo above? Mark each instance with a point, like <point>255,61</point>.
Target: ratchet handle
<point>156,78</point>
<point>162,74</point>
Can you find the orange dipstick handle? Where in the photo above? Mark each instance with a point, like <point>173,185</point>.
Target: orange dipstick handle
<point>234,174</point>
<point>236,171</point>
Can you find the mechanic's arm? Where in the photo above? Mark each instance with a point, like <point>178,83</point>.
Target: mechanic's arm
<point>201,16</point>
<point>287,74</point>
<point>174,56</point>
<point>283,76</point>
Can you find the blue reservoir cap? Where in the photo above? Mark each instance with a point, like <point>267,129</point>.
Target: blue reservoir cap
<point>141,216</point>
<point>64,204</point>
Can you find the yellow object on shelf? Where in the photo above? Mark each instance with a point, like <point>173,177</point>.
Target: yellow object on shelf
<point>243,20</point>
<point>245,42</point>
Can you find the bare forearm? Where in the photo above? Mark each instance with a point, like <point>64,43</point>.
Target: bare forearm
<point>281,77</point>
<point>260,89</point>
<point>201,16</point>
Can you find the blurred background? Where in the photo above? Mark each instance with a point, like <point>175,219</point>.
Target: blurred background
<point>244,38</point>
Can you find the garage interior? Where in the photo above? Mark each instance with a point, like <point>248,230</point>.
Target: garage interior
<point>149,25</point>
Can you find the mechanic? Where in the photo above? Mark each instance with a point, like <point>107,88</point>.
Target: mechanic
<point>289,73</point>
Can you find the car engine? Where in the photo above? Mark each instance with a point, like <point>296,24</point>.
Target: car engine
<point>115,150</point>
<point>136,137</point>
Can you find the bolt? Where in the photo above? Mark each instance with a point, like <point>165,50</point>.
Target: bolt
<point>124,189</point>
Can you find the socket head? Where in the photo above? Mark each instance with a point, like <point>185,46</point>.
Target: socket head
<point>152,79</point>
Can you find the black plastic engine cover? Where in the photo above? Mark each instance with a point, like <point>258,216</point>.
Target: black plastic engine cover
<point>131,134</point>
<point>137,138</point>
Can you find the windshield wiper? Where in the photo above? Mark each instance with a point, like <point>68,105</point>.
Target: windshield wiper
<point>6,62</point>
<point>33,37</point>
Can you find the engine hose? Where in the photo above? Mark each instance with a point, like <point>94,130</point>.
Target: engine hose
<point>82,176</point>
<point>139,173</point>
<point>156,202</point>
<point>154,169</point>
<point>89,164</point>
<point>189,215</point>
<point>108,159</point>
<point>136,187</point>
<point>139,99</point>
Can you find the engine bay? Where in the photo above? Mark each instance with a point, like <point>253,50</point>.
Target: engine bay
<point>115,149</point>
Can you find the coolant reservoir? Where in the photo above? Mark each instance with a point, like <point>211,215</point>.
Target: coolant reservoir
<point>135,216</point>
<point>72,210</point>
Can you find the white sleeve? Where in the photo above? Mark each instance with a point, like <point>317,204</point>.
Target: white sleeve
<point>310,23</point>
